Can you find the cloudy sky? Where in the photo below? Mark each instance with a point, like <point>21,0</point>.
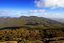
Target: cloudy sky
<point>41,8</point>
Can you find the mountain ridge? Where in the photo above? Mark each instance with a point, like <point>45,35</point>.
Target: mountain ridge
<point>29,21</point>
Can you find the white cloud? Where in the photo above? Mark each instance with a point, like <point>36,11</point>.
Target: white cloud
<point>39,3</point>
<point>37,11</point>
<point>54,3</point>
<point>10,13</point>
<point>53,15</point>
<point>40,13</point>
<point>49,3</point>
<point>18,13</point>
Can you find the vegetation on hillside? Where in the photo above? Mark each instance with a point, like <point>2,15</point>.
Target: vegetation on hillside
<point>31,30</point>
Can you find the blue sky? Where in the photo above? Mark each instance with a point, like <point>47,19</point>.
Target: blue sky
<point>17,4</point>
<point>42,8</point>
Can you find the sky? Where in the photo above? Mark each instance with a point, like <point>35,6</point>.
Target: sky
<point>41,8</point>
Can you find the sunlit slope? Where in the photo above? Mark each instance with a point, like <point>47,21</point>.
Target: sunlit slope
<point>30,21</point>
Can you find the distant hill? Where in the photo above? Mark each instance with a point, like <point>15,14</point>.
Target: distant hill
<point>58,19</point>
<point>29,21</point>
<point>31,30</point>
